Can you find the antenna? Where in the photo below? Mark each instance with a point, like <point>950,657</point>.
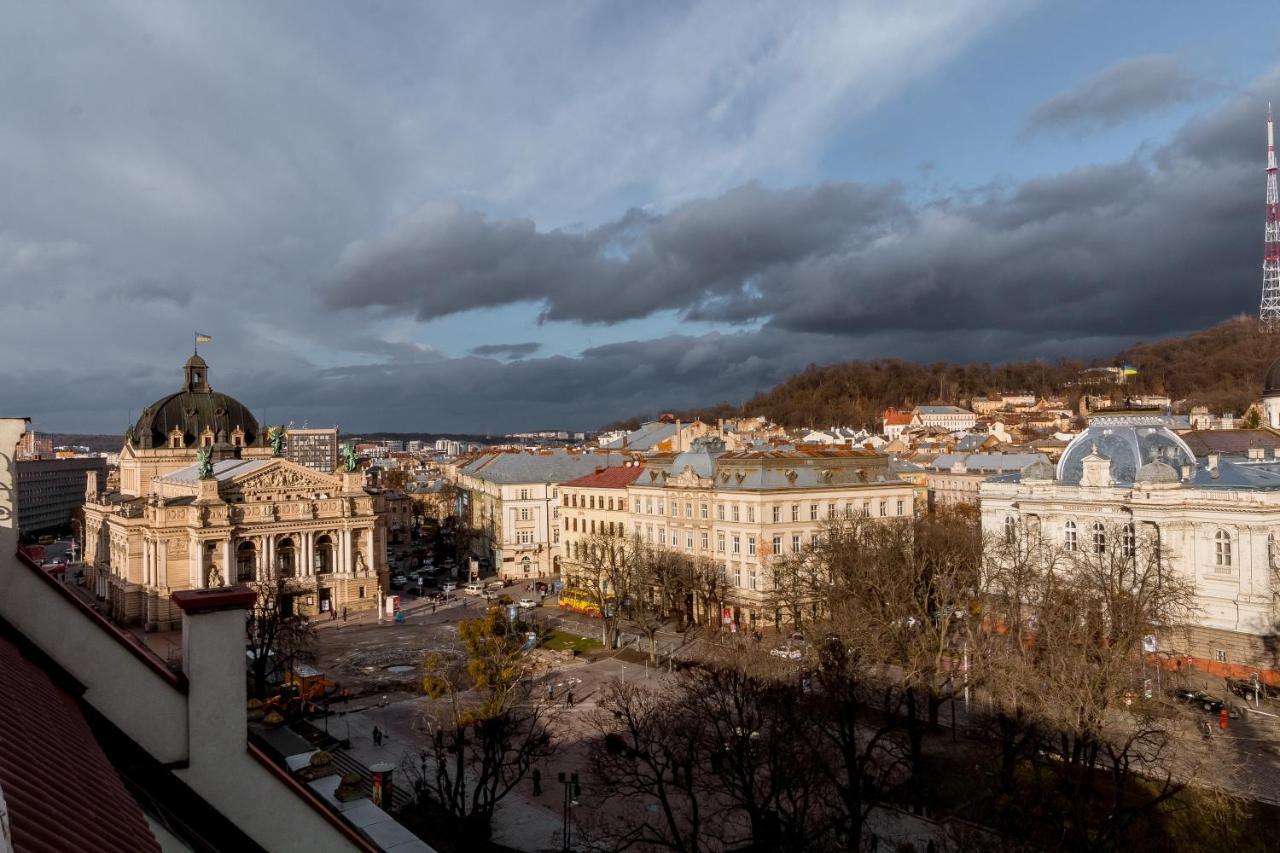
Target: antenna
<point>1269,310</point>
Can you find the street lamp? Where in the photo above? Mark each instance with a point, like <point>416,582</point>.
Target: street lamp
<point>572,790</point>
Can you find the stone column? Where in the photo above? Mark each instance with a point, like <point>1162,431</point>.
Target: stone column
<point>269,554</point>
<point>308,551</point>
<point>162,567</point>
<point>342,564</point>
<point>195,560</point>
<point>228,554</point>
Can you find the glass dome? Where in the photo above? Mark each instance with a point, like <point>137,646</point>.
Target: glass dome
<point>1129,445</point>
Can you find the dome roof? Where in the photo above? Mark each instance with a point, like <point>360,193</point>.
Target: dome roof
<point>1272,383</point>
<point>1131,444</point>
<point>194,409</point>
<point>1158,472</point>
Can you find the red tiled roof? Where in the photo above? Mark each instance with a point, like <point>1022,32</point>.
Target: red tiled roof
<point>617,477</point>
<point>48,752</point>
<point>895,418</point>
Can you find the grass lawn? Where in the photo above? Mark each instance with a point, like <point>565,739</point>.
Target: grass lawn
<point>560,641</point>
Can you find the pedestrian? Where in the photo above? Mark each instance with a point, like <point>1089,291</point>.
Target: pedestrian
<point>568,697</point>
<point>551,692</point>
<point>377,736</point>
<point>333,615</point>
<point>537,782</point>
<point>433,607</point>
<point>344,614</point>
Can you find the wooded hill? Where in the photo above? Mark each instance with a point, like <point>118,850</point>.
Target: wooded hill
<point>1221,367</point>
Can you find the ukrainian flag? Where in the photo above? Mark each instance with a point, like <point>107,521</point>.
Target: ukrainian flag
<point>1129,370</point>
<point>202,338</point>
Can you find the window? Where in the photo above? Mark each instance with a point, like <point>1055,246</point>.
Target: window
<point>662,509</point>
<point>648,533</point>
<point>831,510</point>
<point>688,540</point>
<point>902,507</point>
<point>720,512</point>
<point>524,537</point>
<point>751,579</point>
<point>866,509</point>
<point>524,494</point>
<point>566,500</point>
<point>737,544</point>
<point>1222,549</point>
<point>733,512</point>
<point>1069,536</point>
<point>648,506</point>
<point>795,544</point>
<point>675,508</point>
<point>777,514</point>
<point>688,509</point>
<point>1130,541</point>
<point>884,508</point>
<point>795,512</point>
<point>777,544</point>
<point>360,592</point>
<point>737,576</point>
<point>751,513</point>
<point>524,514</point>
<point>702,511</point>
<point>813,540</point>
<point>1220,655</point>
<point>1099,538</point>
<point>662,536</point>
<point>813,512</point>
<point>555,536</point>
<point>703,543</point>
<point>751,546</point>
<point>848,509</point>
<point>720,542</point>
<point>635,506</point>
<point>591,502</point>
<point>1010,530</point>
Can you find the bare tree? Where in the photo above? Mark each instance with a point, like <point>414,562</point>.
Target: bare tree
<point>606,578</point>
<point>276,635</point>
<point>486,734</point>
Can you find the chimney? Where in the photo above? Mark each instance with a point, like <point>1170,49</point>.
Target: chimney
<point>214,662</point>
<point>1211,464</point>
<point>1256,454</point>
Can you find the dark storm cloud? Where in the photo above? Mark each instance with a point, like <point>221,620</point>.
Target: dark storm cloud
<point>511,351</point>
<point>445,259</point>
<point>1155,244</point>
<point>1118,93</point>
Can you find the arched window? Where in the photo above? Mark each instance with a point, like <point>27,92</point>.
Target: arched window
<point>1069,539</point>
<point>284,558</point>
<point>524,565</point>
<point>1130,541</point>
<point>1222,549</point>
<point>246,562</point>
<point>1010,529</point>
<point>324,555</point>
<point>1099,538</point>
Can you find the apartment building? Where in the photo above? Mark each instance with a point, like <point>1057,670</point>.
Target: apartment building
<point>950,418</point>
<point>743,508</point>
<point>317,449</point>
<point>593,506</point>
<point>513,500</point>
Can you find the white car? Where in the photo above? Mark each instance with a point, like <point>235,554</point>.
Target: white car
<point>787,653</point>
<point>473,588</point>
<point>528,603</point>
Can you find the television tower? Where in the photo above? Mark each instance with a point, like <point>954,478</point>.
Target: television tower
<point>1269,313</point>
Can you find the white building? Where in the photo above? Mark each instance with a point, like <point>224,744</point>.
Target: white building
<point>950,418</point>
<point>513,499</point>
<point>1215,521</point>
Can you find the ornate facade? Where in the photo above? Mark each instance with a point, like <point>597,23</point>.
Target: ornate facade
<point>205,500</point>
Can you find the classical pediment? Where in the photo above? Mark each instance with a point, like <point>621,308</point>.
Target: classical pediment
<point>285,476</point>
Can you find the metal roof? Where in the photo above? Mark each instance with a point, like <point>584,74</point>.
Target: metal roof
<point>556,466</point>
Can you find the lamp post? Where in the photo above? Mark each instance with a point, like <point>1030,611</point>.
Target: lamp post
<point>572,790</point>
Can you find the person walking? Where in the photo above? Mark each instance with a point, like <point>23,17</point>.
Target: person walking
<point>568,698</point>
<point>377,736</point>
<point>537,782</point>
<point>344,614</point>
<point>333,615</point>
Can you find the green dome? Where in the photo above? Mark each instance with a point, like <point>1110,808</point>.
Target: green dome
<point>194,409</point>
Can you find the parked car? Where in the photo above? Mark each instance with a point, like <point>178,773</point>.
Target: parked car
<point>448,587</point>
<point>491,595</point>
<point>473,588</point>
<point>496,585</point>
<point>528,603</point>
<point>1200,698</point>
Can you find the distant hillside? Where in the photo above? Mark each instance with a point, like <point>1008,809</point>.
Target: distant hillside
<point>1221,367</point>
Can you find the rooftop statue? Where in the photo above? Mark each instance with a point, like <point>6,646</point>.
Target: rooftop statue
<point>349,457</point>
<point>275,437</point>
<point>204,464</point>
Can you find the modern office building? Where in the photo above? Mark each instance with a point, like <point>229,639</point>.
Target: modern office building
<point>317,449</point>
<point>51,490</point>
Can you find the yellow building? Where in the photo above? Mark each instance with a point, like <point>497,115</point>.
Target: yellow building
<point>206,500</point>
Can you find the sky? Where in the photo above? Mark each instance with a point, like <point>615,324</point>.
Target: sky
<point>463,217</point>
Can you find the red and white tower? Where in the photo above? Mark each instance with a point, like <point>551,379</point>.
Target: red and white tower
<point>1269,313</point>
